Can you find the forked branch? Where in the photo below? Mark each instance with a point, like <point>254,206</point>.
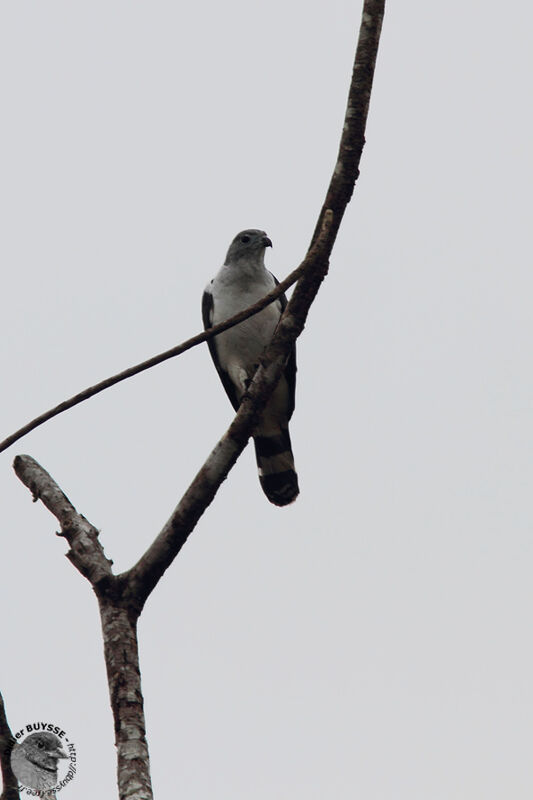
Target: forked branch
<point>122,597</point>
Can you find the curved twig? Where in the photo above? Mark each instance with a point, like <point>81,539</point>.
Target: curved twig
<point>85,394</point>
<point>338,196</point>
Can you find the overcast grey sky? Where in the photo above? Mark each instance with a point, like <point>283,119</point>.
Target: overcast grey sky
<point>374,639</point>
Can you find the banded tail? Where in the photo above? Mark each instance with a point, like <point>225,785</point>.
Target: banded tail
<point>275,463</point>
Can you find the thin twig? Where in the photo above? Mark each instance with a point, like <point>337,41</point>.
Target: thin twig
<point>143,577</point>
<point>339,194</point>
<point>155,360</point>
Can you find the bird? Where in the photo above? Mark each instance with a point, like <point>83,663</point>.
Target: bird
<point>34,761</point>
<point>241,281</point>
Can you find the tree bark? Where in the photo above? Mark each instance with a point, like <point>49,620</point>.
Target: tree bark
<point>121,653</point>
<point>118,616</point>
<point>122,597</point>
<point>9,781</point>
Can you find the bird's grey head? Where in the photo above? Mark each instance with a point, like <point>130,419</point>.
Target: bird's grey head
<point>248,246</point>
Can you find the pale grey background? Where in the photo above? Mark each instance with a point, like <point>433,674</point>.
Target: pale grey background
<point>374,639</point>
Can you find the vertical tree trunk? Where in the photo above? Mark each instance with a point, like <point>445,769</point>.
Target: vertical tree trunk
<point>121,654</point>
<point>122,597</point>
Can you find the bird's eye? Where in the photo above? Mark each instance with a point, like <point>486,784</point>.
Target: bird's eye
<point>40,745</point>
<point>245,239</point>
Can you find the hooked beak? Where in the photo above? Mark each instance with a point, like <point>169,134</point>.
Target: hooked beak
<point>267,242</point>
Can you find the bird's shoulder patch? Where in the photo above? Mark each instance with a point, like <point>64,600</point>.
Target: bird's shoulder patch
<point>208,305</point>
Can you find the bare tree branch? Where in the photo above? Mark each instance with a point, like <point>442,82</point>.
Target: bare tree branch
<point>142,578</point>
<point>121,598</point>
<point>338,196</point>
<point>86,552</point>
<point>155,360</point>
<point>10,783</point>
<point>144,575</point>
<point>346,169</point>
<point>119,629</point>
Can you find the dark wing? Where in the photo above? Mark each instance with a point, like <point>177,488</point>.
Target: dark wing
<point>207,316</point>
<point>290,369</point>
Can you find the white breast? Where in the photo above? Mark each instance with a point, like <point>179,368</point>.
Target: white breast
<point>240,347</point>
